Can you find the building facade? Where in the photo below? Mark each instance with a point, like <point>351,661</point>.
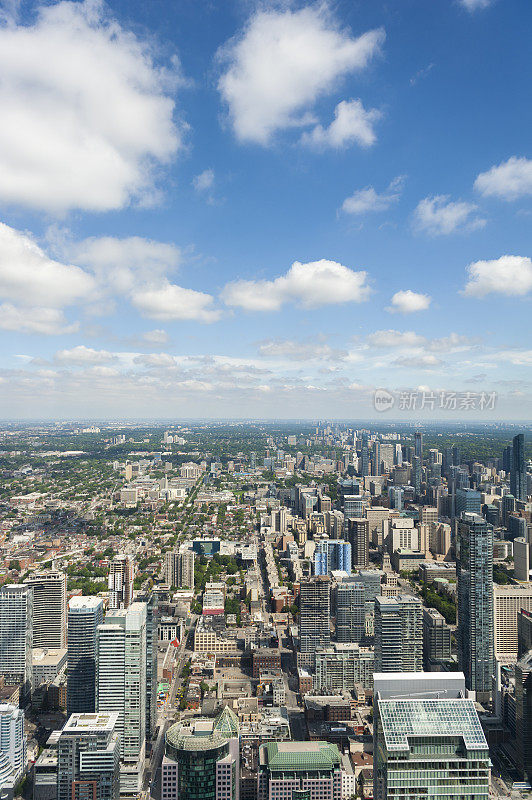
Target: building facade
<point>350,611</point>
<point>84,616</point>
<point>290,770</point>
<point>88,758</point>
<point>16,635</point>
<point>398,634</point>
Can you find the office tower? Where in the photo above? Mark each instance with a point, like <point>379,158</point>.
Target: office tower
<point>151,662</point>
<point>253,460</point>
<point>16,636</point>
<point>427,739</point>
<point>301,770</point>
<point>88,758</point>
<point>358,536</point>
<point>518,485</point>
<point>84,616</point>
<point>508,601</point>
<point>418,445</point>
<point>332,554</point>
<point>350,611</point>
<point>179,567</point>
<point>49,608</point>
<point>436,639</point>
<point>120,582</point>
<point>523,714</point>
<point>395,497</point>
<point>398,634</point>
<point>371,581</point>
<point>202,760</point>
<point>457,456</point>
<point>507,508</point>
<point>474,567</point>
<point>315,614</point>
<point>364,456</point>
<point>468,500</point>
<point>524,632</point>
<point>416,475</point>
<point>12,748</point>
<point>121,686</point>
<point>343,666</point>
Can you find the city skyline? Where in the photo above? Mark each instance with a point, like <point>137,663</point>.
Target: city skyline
<point>264,210</point>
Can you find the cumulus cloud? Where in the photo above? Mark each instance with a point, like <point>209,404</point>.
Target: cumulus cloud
<point>44,321</point>
<point>406,302</point>
<point>317,283</point>
<point>86,114</point>
<point>172,302</point>
<point>299,351</point>
<point>427,361</point>
<point>122,264</point>
<point>367,199</point>
<point>156,336</point>
<point>509,180</point>
<point>509,275</point>
<point>281,63</point>
<point>392,338</point>
<point>439,215</point>
<point>83,356</point>
<point>29,277</point>
<point>204,182</point>
<point>155,360</point>
<point>351,123</point>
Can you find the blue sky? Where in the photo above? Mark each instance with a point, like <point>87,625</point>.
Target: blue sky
<point>263,209</point>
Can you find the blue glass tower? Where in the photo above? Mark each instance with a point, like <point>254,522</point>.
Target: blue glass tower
<point>518,469</point>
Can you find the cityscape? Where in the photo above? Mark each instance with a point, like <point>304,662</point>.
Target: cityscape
<point>250,611</point>
<point>265,400</point>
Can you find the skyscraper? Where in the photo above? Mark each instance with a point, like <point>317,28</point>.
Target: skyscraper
<point>49,608</point>
<point>474,567</point>
<point>315,614</point>
<point>12,747</point>
<point>358,535</point>
<point>88,758</point>
<point>523,714</point>
<point>180,568</point>
<point>427,739</point>
<point>518,484</point>
<point>416,475</point>
<point>468,500</point>
<point>120,582</point>
<point>364,456</point>
<point>121,686</point>
<point>398,634</point>
<point>332,554</point>
<point>84,616</point>
<point>350,611</point>
<point>16,635</point>
<point>418,444</point>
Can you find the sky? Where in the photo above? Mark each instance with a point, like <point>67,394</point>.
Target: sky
<point>265,209</point>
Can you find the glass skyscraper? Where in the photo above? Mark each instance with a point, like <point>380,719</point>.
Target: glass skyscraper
<point>350,611</point>
<point>332,554</point>
<point>474,566</point>
<point>518,470</point>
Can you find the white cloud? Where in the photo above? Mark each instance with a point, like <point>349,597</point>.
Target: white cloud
<point>155,360</point>
<point>83,356</point>
<point>475,5</point>
<point>509,275</point>
<point>299,351</point>
<point>509,180</point>
<point>121,264</point>
<point>29,277</point>
<point>204,182</point>
<point>364,200</point>
<point>282,63</point>
<point>392,338</point>
<point>439,215</point>
<point>427,361</point>
<point>45,321</point>
<point>156,336</point>
<point>317,283</point>
<point>407,302</point>
<point>351,123</point>
<point>85,112</point>
<point>169,301</point>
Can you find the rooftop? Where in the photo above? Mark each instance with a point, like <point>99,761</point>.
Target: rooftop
<point>304,756</point>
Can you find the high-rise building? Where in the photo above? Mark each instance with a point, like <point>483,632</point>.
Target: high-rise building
<point>358,535</point>
<point>121,686</point>
<point>120,582</point>
<point>518,481</point>
<point>343,666</point>
<point>179,568</point>
<point>16,636</point>
<point>84,616</point>
<point>508,601</point>
<point>474,566</point>
<point>418,445</point>
<point>151,661</point>
<point>88,758</point>
<point>350,611</point>
<point>523,714</point>
<point>398,634</point>
<point>302,770</point>
<point>436,638</point>
<point>524,633</point>
<point>427,739</point>
<point>314,614</point>
<point>417,474</point>
<point>468,500</point>
<point>364,456</point>
<point>49,608</point>
<point>12,748</point>
<point>202,760</point>
<point>332,554</point>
